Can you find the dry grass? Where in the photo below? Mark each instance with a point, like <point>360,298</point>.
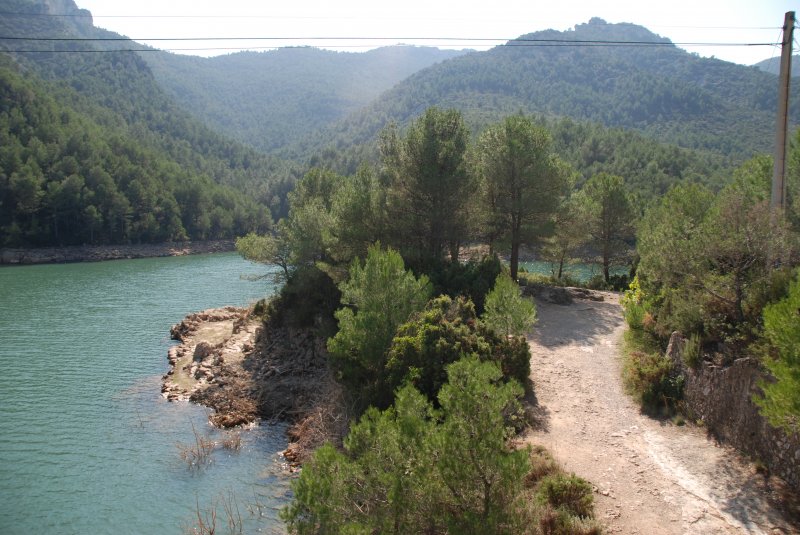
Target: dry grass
<point>232,441</point>
<point>206,520</point>
<point>198,454</point>
<point>326,420</point>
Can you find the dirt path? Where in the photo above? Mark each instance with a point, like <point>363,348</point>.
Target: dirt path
<point>652,477</point>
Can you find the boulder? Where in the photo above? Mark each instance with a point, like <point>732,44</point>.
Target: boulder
<point>202,350</point>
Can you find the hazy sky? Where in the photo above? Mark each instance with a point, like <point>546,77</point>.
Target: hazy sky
<point>682,21</point>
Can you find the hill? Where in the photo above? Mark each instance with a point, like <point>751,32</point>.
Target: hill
<point>661,91</point>
<point>773,65</point>
<point>270,99</point>
<point>94,151</point>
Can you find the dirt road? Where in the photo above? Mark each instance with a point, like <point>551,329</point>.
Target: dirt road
<point>652,477</point>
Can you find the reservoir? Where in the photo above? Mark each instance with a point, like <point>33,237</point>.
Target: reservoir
<point>87,443</point>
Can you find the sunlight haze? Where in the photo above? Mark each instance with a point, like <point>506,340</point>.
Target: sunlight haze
<point>471,24</point>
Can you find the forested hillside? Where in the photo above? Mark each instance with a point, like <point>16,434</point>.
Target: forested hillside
<point>662,91</point>
<point>94,151</point>
<point>270,99</point>
<point>773,65</point>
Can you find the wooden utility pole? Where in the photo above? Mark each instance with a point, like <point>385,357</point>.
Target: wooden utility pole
<point>778,199</point>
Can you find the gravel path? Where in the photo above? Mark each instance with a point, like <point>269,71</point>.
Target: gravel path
<point>652,477</point>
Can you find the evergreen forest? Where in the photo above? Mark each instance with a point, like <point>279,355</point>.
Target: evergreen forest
<point>399,205</point>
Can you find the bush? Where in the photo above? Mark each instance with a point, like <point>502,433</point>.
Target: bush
<point>693,351</point>
<point>633,306</point>
<point>507,312</point>
<point>308,299</point>
<point>443,333</point>
<point>542,464</point>
<point>649,374</point>
<point>473,279</point>
<point>568,493</point>
<point>559,522</point>
<point>780,402</point>
<point>597,282</point>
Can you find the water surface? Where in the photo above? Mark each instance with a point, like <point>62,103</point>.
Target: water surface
<point>87,444</point>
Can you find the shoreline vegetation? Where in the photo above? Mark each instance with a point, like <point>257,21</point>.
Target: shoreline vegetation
<point>101,253</point>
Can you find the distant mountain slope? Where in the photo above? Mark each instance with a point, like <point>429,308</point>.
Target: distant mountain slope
<point>269,99</point>
<point>773,65</point>
<point>664,92</point>
<point>94,151</point>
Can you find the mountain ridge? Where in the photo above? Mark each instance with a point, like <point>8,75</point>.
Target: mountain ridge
<point>662,91</point>
<point>269,99</point>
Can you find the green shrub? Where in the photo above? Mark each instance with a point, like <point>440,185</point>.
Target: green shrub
<point>260,307</point>
<point>597,282</point>
<point>443,333</point>
<point>633,306</point>
<point>568,493</point>
<point>780,401</point>
<point>507,312</point>
<point>473,279</point>
<point>648,374</point>
<point>693,351</point>
<point>308,299</point>
<point>619,282</point>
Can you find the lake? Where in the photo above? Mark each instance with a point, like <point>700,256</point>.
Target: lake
<point>579,271</point>
<point>87,443</point>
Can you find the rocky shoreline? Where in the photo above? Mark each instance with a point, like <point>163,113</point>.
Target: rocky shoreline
<point>247,370</point>
<point>100,253</point>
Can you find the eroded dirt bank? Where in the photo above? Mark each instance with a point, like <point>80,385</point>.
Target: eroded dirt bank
<point>652,477</point>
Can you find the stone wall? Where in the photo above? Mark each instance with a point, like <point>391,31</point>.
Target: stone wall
<point>722,397</point>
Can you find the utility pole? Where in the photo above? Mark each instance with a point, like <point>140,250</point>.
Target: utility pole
<point>778,199</point>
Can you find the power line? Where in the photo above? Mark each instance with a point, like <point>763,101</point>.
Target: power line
<point>279,17</point>
<point>509,42</point>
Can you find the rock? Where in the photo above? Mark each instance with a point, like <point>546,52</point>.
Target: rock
<point>203,350</point>
<point>675,348</point>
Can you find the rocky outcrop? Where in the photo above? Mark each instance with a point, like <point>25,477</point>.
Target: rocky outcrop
<point>721,396</point>
<point>98,253</point>
<point>246,369</point>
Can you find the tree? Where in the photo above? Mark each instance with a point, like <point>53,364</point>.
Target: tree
<point>609,211</point>
<point>271,250</point>
<point>412,469</point>
<point>483,476</point>
<point>780,402</point>
<point>308,227</point>
<point>358,213</point>
<point>708,263</point>
<point>379,296</point>
<point>507,312</point>
<point>429,184</point>
<point>523,181</point>
<point>570,233</point>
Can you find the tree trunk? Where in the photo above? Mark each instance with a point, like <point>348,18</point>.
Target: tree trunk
<point>514,260</point>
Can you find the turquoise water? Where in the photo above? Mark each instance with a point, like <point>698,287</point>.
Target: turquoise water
<point>87,444</point>
<point>582,272</point>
